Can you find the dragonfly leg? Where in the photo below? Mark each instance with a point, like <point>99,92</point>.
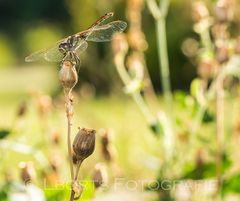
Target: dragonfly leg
<point>78,61</point>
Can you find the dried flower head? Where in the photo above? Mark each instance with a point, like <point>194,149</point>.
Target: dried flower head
<point>84,143</point>
<point>68,75</point>
<point>74,158</point>
<point>100,176</point>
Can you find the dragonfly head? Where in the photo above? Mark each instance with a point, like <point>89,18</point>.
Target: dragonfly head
<point>63,47</point>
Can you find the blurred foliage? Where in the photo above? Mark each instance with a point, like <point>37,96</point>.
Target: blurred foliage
<point>51,35</point>
<point>4,133</point>
<point>8,56</point>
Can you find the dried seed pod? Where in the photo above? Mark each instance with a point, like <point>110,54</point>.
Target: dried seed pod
<point>100,176</point>
<point>74,158</point>
<point>84,143</point>
<point>68,75</point>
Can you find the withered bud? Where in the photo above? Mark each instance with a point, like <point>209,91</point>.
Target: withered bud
<point>100,176</point>
<point>68,75</point>
<point>199,11</point>
<point>84,143</point>
<point>28,172</point>
<point>22,108</point>
<point>119,43</point>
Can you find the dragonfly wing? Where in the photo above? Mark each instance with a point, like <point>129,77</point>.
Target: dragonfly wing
<point>53,54</point>
<point>82,47</point>
<point>35,56</point>
<point>105,32</point>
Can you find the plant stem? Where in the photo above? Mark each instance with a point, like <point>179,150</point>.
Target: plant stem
<point>69,148</point>
<point>69,109</point>
<point>219,129</point>
<point>163,60</point>
<point>75,179</point>
<point>136,95</point>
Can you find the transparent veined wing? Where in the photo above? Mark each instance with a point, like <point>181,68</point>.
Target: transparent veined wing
<point>101,20</point>
<point>105,32</point>
<point>81,47</point>
<point>51,54</point>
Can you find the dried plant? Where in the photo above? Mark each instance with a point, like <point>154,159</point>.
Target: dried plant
<point>67,51</point>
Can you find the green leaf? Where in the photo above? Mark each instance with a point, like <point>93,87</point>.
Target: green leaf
<point>232,184</point>
<point>4,133</point>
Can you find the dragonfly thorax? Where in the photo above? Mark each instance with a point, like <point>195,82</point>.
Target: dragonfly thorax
<point>70,45</point>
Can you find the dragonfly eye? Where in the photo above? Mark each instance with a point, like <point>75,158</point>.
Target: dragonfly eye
<point>63,47</point>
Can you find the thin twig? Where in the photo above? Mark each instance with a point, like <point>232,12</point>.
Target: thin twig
<point>72,197</point>
<point>69,108</point>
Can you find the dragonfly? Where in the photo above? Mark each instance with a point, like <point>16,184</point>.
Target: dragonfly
<point>72,46</point>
